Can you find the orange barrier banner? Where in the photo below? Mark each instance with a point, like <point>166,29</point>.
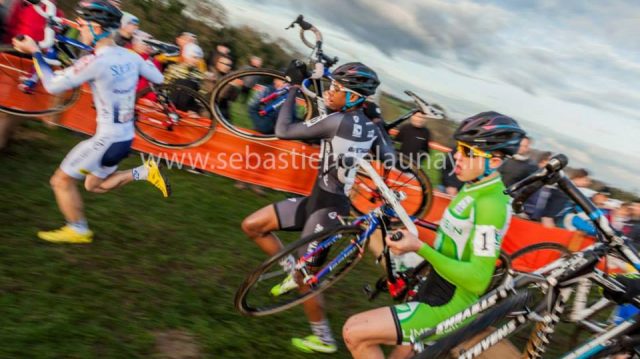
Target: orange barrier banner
<point>225,153</point>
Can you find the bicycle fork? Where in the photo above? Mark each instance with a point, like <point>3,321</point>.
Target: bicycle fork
<point>543,330</point>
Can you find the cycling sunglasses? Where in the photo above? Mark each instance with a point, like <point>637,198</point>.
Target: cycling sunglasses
<point>335,87</point>
<point>470,151</point>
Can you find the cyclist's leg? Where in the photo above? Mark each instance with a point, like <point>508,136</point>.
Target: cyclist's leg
<point>410,320</point>
<point>363,333</point>
<point>285,215</point>
<point>322,338</point>
<point>103,176</point>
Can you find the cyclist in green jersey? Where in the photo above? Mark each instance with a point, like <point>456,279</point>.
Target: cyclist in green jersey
<point>466,247</point>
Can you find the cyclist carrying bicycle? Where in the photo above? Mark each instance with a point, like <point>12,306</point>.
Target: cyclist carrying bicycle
<point>344,133</point>
<point>466,247</point>
<point>112,73</point>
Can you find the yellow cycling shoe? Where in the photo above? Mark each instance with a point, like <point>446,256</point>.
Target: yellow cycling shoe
<point>66,234</point>
<point>157,178</point>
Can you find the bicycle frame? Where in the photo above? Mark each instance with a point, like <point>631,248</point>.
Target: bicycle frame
<point>375,220</point>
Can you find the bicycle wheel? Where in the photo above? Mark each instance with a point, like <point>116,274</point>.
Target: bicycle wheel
<point>406,178</point>
<point>443,347</point>
<point>39,102</point>
<point>254,298</point>
<point>247,102</point>
<point>173,116</point>
<point>533,257</point>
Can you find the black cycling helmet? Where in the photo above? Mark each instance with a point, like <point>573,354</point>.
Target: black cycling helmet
<point>357,77</point>
<point>101,12</point>
<point>491,131</point>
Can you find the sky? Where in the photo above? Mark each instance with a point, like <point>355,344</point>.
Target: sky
<point>567,70</point>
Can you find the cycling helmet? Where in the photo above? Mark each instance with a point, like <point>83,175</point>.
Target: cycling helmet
<point>101,12</point>
<point>491,131</point>
<point>357,77</point>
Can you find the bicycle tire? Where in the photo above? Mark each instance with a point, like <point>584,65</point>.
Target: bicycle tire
<point>542,246</point>
<point>442,348</point>
<point>156,131</point>
<point>241,301</point>
<point>411,180</point>
<point>218,92</point>
<point>13,64</point>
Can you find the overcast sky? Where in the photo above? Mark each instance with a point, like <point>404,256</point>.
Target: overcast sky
<point>568,70</point>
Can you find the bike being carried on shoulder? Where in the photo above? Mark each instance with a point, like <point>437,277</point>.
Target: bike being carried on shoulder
<point>247,102</point>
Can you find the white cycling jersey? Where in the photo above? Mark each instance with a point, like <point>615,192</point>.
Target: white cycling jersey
<point>112,72</point>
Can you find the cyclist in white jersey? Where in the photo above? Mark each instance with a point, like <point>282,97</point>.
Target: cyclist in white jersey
<point>112,72</point>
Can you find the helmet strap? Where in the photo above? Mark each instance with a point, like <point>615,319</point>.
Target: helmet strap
<point>350,104</point>
<point>488,171</point>
<point>97,37</point>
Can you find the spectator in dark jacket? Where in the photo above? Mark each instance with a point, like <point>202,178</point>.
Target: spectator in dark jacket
<point>414,139</point>
<point>519,166</point>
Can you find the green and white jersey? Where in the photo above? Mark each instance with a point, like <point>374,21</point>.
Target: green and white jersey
<point>471,230</point>
<point>463,257</point>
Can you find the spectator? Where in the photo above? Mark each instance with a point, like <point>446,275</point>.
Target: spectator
<point>248,82</point>
<point>621,217</point>
<point>414,139</point>
<point>450,181</point>
<point>223,66</point>
<point>519,166</point>
<point>186,73</point>
<point>264,122</point>
<point>557,208</point>
<point>221,49</point>
<point>186,38</point>
<point>24,20</point>
<point>129,24</point>
<point>535,204</point>
<point>144,50</point>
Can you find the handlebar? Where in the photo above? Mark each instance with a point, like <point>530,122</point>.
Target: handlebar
<point>322,61</point>
<point>549,174</point>
<point>426,108</point>
<point>306,26</point>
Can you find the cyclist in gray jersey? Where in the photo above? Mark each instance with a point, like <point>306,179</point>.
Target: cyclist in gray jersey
<point>112,73</point>
<point>345,133</point>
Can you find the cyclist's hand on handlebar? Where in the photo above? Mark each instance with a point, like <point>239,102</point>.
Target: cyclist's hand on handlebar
<point>25,44</point>
<point>407,243</point>
<point>296,72</point>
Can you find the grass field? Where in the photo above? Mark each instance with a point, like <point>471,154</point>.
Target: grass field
<point>157,268</point>
<point>159,278</point>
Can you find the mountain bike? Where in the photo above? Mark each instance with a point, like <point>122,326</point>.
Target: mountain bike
<point>15,67</point>
<point>341,248</point>
<point>247,102</point>
<point>540,297</point>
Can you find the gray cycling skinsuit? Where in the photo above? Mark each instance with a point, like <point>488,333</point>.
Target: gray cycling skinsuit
<point>342,134</point>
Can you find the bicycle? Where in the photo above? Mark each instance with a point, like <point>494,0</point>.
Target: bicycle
<point>343,247</point>
<point>267,92</point>
<point>515,301</point>
<point>60,52</point>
